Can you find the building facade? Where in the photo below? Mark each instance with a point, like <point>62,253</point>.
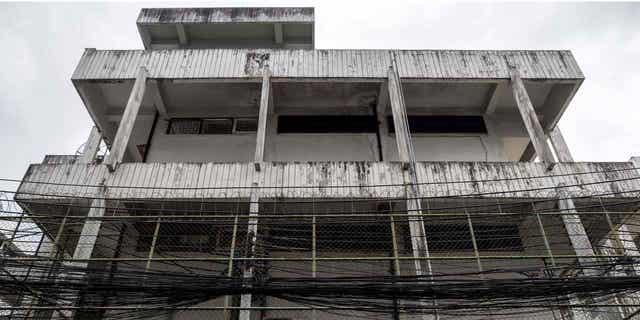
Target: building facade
<point>252,176</point>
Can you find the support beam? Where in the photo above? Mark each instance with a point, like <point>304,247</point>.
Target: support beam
<point>252,231</point>
<point>266,108</point>
<point>629,245</point>
<point>382,105</point>
<point>576,232</point>
<point>419,245</point>
<point>90,230</point>
<point>158,101</point>
<point>530,119</point>
<point>91,147</point>
<point>278,33</point>
<point>182,34</point>
<point>400,120</point>
<point>560,145</point>
<point>263,114</point>
<point>123,135</point>
<point>572,223</point>
<point>381,108</point>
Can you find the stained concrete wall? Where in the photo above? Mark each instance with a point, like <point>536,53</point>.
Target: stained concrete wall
<point>200,148</point>
<point>505,141</point>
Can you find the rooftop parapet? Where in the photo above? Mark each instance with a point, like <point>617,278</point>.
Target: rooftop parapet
<point>162,28</point>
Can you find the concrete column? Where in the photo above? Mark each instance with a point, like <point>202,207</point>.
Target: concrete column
<point>400,120</point>
<point>91,147</point>
<point>252,231</point>
<point>530,120</point>
<point>575,229</point>
<point>560,145</point>
<point>381,109</point>
<point>254,204</point>
<point>90,230</point>
<point>419,245</point>
<point>263,114</point>
<point>121,141</point>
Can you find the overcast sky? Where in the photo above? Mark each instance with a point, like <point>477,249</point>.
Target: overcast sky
<point>41,113</point>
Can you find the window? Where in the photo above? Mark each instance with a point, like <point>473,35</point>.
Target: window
<point>327,124</point>
<point>217,126</point>
<point>184,126</point>
<point>443,124</point>
<point>212,126</point>
<point>246,125</point>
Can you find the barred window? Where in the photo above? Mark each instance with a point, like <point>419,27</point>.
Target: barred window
<point>217,126</point>
<point>184,126</point>
<point>246,124</point>
<point>212,125</point>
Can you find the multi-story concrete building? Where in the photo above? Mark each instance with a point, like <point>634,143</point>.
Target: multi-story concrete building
<point>252,176</point>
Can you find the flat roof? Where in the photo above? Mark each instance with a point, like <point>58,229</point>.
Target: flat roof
<point>162,28</point>
<point>225,15</point>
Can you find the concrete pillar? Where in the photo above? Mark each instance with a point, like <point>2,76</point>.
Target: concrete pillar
<point>571,221</point>
<point>91,228</point>
<point>252,231</point>
<point>263,114</point>
<point>530,119</point>
<point>121,141</point>
<point>254,204</point>
<point>419,245</point>
<point>560,145</point>
<point>91,147</point>
<point>575,230</point>
<point>381,109</point>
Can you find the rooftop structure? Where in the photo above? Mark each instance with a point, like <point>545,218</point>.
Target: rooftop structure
<point>252,176</point>
<point>226,28</point>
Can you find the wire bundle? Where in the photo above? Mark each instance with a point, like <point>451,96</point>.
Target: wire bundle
<point>164,291</point>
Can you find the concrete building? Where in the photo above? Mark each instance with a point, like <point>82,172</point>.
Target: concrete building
<point>239,152</point>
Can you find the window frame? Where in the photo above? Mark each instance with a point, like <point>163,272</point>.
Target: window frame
<point>482,124</point>
<point>201,124</point>
<point>372,130</point>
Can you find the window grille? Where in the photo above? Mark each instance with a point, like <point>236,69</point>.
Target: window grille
<point>184,126</point>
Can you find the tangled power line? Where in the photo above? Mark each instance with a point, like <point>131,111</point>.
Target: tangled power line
<point>492,257</point>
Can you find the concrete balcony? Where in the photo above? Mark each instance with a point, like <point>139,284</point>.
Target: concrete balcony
<point>327,180</point>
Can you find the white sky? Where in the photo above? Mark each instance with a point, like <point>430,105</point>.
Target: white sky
<point>41,113</point>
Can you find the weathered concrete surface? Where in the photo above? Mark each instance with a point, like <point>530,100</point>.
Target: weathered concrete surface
<point>245,63</point>
<point>331,180</point>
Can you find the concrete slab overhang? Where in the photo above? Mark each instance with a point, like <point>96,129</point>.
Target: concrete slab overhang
<point>226,82</point>
<point>162,28</point>
<point>47,189</point>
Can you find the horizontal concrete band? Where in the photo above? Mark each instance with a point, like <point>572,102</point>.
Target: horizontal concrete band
<point>331,180</point>
<point>248,63</point>
<point>225,15</point>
